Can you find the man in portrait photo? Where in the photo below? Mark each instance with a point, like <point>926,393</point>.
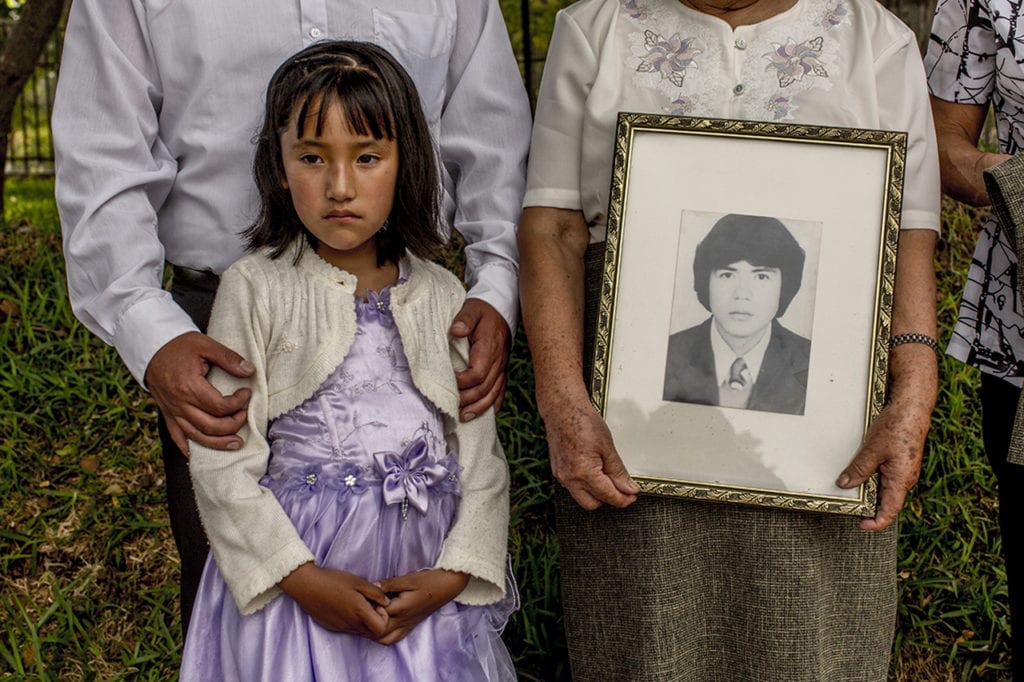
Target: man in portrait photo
<point>746,272</point>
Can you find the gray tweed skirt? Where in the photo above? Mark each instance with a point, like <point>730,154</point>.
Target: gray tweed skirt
<point>676,589</point>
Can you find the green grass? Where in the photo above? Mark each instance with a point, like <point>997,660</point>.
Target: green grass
<point>88,571</point>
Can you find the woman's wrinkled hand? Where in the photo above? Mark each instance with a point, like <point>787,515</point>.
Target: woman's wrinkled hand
<point>894,447</point>
<point>584,458</point>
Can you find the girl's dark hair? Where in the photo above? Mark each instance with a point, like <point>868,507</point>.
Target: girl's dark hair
<point>377,97</point>
<point>759,240</point>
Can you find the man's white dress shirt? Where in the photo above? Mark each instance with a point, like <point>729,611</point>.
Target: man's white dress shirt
<point>157,104</point>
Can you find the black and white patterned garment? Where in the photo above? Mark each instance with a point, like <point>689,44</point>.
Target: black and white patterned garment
<point>976,56</point>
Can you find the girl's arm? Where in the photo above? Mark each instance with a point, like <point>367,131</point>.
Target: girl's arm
<point>252,539</point>
<point>477,543</point>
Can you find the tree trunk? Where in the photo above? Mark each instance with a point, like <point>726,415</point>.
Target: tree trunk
<point>21,51</point>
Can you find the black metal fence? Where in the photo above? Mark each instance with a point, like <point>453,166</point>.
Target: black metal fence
<point>30,146</point>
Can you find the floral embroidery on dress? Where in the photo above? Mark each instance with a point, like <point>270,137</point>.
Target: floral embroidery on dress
<point>834,16</point>
<point>680,61</point>
<point>793,60</point>
<point>779,106</point>
<point>671,58</point>
<point>344,477</point>
<point>681,106</point>
<point>635,11</point>
<point>351,480</point>
<point>377,307</point>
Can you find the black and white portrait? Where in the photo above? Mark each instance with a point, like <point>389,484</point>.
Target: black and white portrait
<point>742,312</point>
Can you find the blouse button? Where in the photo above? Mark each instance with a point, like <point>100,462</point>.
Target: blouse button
<point>741,44</point>
<point>738,90</point>
<point>315,33</point>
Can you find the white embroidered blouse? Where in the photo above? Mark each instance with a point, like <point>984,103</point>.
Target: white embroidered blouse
<point>834,62</point>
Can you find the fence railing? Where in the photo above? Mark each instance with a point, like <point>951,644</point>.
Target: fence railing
<point>30,146</point>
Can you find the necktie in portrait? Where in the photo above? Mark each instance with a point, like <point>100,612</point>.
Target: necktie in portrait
<point>735,390</point>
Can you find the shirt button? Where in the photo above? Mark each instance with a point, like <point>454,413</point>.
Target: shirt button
<point>315,33</point>
<point>741,44</point>
<point>738,90</point>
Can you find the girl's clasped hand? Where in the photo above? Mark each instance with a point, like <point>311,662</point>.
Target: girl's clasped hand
<point>384,611</point>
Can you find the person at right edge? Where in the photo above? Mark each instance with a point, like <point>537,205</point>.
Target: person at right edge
<point>972,65</point>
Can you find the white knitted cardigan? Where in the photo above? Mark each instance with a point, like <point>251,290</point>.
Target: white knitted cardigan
<point>296,323</point>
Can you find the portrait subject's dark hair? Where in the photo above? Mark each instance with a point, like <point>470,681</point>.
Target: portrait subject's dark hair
<point>761,241</point>
<point>376,97</point>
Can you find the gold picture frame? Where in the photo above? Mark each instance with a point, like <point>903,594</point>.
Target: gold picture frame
<point>678,184</point>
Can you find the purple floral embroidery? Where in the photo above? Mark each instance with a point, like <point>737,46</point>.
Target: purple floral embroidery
<point>835,16</point>
<point>308,478</point>
<point>376,308</point>
<point>350,480</point>
<point>669,57</point>
<point>635,11</point>
<point>450,484</point>
<point>681,106</point>
<point>408,476</point>
<point>793,61</point>
<point>779,106</point>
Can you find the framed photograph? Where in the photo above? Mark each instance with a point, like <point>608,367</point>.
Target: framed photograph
<point>742,334</point>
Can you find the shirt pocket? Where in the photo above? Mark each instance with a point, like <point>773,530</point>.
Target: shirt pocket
<point>422,43</point>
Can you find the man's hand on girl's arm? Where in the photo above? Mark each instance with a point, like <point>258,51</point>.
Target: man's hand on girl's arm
<point>415,597</point>
<point>482,384</point>
<point>338,601</point>
<point>191,406</point>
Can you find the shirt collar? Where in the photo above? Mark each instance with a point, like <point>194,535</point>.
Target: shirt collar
<point>724,355</point>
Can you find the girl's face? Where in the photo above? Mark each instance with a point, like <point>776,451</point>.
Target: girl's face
<point>342,186</point>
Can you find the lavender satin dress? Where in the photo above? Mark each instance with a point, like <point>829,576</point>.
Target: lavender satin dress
<point>362,470</point>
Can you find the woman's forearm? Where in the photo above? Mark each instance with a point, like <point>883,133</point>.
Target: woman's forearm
<point>552,243</point>
<point>958,127</point>
<point>913,369</point>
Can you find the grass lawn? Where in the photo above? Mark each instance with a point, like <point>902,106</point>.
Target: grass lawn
<point>88,570</point>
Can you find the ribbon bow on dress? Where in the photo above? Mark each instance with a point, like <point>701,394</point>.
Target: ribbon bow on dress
<point>407,476</point>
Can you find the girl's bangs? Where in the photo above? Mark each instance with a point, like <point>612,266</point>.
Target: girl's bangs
<point>360,96</point>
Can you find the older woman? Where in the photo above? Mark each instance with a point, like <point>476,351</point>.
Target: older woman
<point>663,589</point>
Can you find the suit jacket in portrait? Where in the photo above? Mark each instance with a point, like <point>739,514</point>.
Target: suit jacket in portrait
<point>780,386</point>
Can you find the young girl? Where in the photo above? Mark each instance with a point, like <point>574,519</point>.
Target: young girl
<point>358,494</point>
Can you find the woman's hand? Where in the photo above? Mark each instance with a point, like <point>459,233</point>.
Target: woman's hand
<point>894,445</point>
<point>584,458</point>
<point>338,601</point>
<point>415,597</point>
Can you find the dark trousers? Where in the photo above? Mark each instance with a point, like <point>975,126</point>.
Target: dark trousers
<point>195,295</point>
<point>998,406</point>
